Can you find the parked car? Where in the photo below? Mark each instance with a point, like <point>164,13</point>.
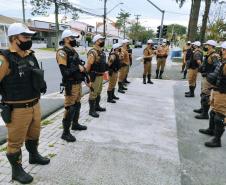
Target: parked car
<point>138,44</point>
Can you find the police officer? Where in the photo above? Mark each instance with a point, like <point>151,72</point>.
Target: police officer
<point>195,62</point>
<point>162,54</point>
<point>148,54</point>
<point>96,66</point>
<point>124,67</point>
<point>21,82</point>
<point>114,63</point>
<point>208,66</point>
<point>130,51</point>
<point>72,77</point>
<point>217,102</point>
<point>187,52</point>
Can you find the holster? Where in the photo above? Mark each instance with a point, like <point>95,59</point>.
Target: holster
<point>6,113</point>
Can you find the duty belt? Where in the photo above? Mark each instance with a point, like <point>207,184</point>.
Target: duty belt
<point>23,105</point>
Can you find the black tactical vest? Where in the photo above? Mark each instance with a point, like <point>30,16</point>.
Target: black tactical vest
<point>116,63</point>
<point>73,61</point>
<point>193,63</point>
<point>18,84</point>
<point>188,54</point>
<point>209,68</point>
<point>221,80</point>
<point>99,65</point>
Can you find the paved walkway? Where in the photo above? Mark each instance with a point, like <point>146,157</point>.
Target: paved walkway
<point>133,143</point>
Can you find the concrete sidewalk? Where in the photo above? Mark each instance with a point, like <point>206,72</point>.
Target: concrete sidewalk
<point>133,143</point>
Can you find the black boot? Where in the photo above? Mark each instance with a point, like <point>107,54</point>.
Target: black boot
<point>149,79</point>
<point>204,114</point>
<point>98,107</point>
<point>92,109</point>
<point>18,172</point>
<point>199,111</point>
<point>160,76</point>
<point>218,132</point>
<point>126,81</point>
<point>120,90</point>
<point>124,86</point>
<point>113,95</point>
<point>210,130</point>
<point>75,123</point>
<point>185,74</point>
<point>67,136</point>
<point>34,156</point>
<point>157,74</point>
<point>144,79</point>
<point>191,93</point>
<point>110,98</point>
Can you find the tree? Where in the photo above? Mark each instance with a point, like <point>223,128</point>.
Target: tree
<point>216,27</point>
<point>41,7</point>
<point>193,20</point>
<point>122,21</point>
<point>205,18</point>
<point>137,32</point>
<point>175,29</point>
<point>217,30</point>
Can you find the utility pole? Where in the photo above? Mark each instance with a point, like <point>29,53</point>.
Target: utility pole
<point>105,16</point>
<point>23,9</point>
<point>137,22</point>
<point>163,12</point>
<point>56,23</point>
<point>137,18</point>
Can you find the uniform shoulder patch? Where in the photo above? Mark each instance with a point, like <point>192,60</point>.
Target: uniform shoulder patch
<point>62,53</point>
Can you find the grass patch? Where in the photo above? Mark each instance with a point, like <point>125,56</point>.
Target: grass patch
<point>82,53</point>
<point>3,149</point>
<point>51,155</point>
<point>51,145</point>
<point>47,49</point>
<point>46,122</point>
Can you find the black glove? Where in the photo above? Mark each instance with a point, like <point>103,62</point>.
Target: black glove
<point>44,88</point>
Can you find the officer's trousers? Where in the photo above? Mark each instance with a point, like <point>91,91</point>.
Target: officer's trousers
<point>147,68</point>
<point>25,125</point>
<point>97,87</point>
<point>112,81</point>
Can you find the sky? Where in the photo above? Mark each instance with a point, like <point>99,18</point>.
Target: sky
<point>150,16</point>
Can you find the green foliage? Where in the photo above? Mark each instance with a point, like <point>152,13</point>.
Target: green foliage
<point>139,33</point>
<point>46,122</point>
<point>216,31</point>
<point>122,20</point>
<point>176,28</point>
<point>41,7</point>
<point>3,149</point>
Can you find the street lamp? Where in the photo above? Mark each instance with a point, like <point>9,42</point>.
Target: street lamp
<point>163,12</point>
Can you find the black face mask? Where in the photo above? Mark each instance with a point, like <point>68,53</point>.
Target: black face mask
<point>25,45</point>
<point>205,49</point>
<point>119,50</point>
<point>73,43</point>
<point>102,44</point>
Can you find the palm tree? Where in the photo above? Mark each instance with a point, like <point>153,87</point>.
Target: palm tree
<point>193,20</point>
<point>205,18</point>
